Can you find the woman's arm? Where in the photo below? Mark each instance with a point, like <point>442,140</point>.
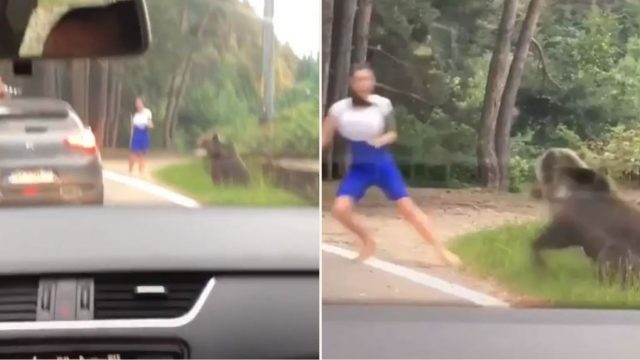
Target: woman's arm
<point>390,135</point>
<point>150,123</point>
<point>131,130</point>
<point>328,131</point>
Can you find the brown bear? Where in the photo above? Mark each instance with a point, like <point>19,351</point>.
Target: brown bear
<point>226,166</point>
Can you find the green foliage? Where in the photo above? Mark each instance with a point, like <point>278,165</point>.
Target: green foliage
<point>521,166</point>
<point>438,141</point>
<point>618,153</point>
<point>440,50</point>
<point>596,50</point>
<point>295,129</point>
<point>520,173</point>
<point>296,132</point>
<point>224,86</point>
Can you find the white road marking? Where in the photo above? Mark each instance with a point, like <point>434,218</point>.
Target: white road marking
<point>421,278</point>
<point>151,189</point>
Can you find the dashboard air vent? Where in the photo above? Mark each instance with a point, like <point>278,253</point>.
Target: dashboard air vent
<point>145,296</point>
<point>18,299</point>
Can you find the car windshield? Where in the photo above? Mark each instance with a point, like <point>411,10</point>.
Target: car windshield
<point>216,113</point>
<point>517,136</point>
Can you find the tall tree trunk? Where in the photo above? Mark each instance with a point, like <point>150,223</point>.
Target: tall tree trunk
<point>86,108</point>
<point>508,103</point>
<point>102,103</point>
<point>172,117</point>
<point>487,159</point>
<point>58,73</point>
<point>49,79</point>
<point>173,85</point>
<point>327,26</point>
<point>118,112</point>
<point>342,65</point>
<point>361,32</point>
<point>179,96</point>
<point>80,88</point>
<point>111,106</point>
<point>171,95</point>
<point>77,87</point>
<point>344,46</point>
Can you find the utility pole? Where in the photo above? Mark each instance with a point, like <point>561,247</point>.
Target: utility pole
<point>267,63</point>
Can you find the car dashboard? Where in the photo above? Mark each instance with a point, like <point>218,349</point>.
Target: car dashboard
<point>159,283</point>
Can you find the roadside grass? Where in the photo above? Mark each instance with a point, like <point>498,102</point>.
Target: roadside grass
<point>504,255</point>
<point>191,179</point>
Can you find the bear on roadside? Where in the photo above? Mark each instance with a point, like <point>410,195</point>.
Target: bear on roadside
<point>548,185</point>
<point>226,166</point>
<point>590,215</point>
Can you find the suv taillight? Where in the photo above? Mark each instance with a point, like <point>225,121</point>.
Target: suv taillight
<point>83,141</point>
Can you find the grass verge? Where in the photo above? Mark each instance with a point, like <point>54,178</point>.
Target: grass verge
<point>191,179</point>
<point>504,255</point>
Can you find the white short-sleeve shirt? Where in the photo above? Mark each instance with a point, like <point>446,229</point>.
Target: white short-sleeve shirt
<point>142,119</point>
<point>361,123</point>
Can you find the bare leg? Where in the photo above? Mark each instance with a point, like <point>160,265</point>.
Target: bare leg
<point>141,164</point>
<point>420,222</point>
<point>132,161</point>
<point>343,212</point>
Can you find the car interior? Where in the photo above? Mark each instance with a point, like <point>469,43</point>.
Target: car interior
<point>146,281</point>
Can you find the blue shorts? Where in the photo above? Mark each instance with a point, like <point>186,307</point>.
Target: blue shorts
<point>385,175</point>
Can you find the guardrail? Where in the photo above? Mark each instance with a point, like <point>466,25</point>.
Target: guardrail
<point>300,177</point>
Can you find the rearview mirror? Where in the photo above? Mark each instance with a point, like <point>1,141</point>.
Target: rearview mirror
<point>60,29</point>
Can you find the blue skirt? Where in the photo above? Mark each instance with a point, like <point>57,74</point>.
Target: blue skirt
<point>140,140</point>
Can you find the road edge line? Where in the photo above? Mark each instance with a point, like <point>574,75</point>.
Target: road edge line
<point>150,188</point>
<point>421,278</point>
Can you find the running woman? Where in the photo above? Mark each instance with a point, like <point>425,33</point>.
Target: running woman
<point>140,125</point>
<point>367,121</point>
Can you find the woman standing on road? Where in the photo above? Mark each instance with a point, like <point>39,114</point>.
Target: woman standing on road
<point>366,120</point>
<point>140,125</point>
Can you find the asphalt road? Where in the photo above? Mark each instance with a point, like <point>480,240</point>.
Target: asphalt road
<point>346,281</point>
<point>122,189</point>
<point>378,281</point>
<point>120,194</point>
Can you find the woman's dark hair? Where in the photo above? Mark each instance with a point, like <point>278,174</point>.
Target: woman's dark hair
<point>358,67</point>
<point>141,98</point>
<point>355,99</point>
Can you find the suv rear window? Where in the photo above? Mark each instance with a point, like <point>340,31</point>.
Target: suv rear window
<point>37,121</point>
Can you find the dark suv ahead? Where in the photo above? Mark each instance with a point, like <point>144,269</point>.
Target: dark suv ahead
<point>47,155</point>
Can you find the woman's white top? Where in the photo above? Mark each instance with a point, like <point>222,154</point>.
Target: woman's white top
<point>361,123</point>
<point>142,119</point>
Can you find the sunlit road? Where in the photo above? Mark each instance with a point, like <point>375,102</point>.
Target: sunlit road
<point>119,194</point>
<point>345,281</point>
<point>380,281</point>
<point>122,189</point>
